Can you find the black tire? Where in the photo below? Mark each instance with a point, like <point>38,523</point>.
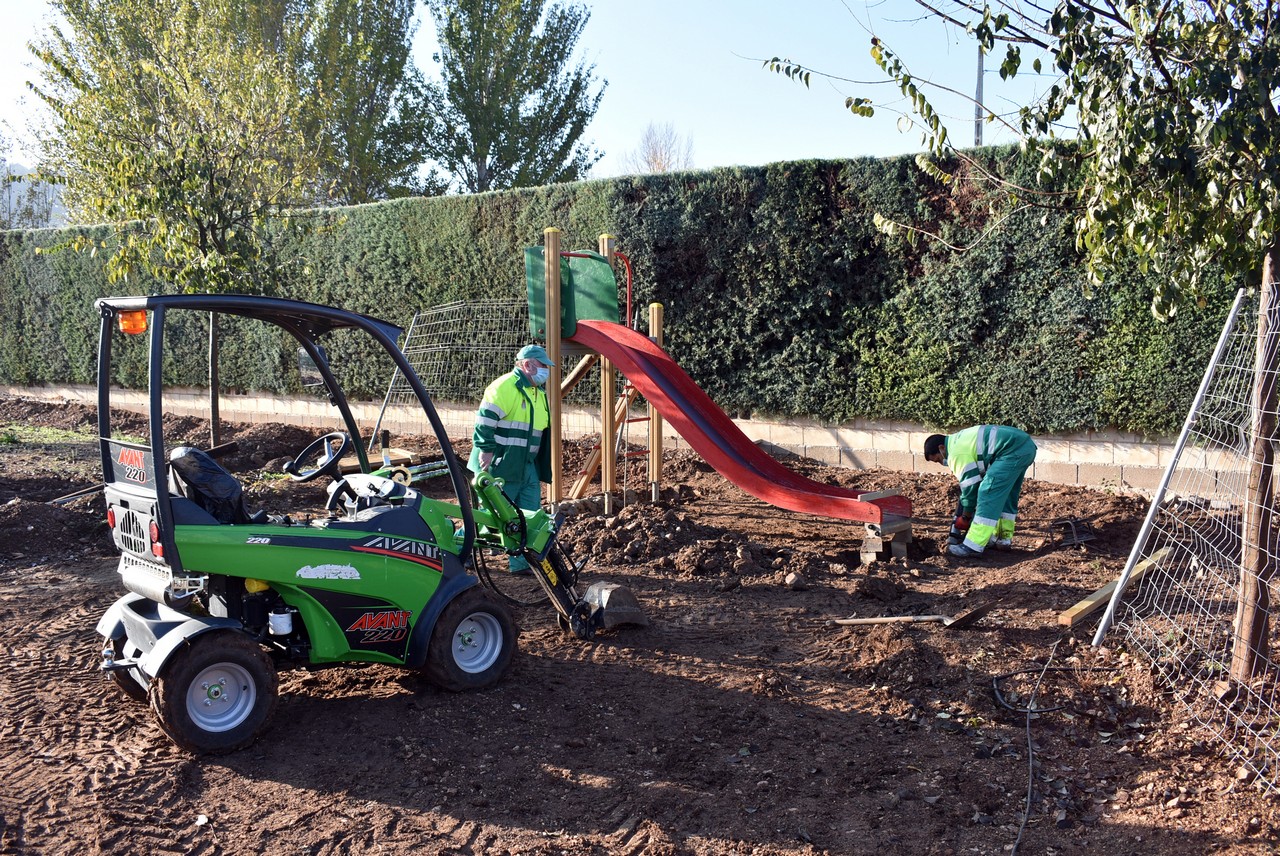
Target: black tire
<point>472,644</point>
<point>122,677</point>
<point>215,694</point>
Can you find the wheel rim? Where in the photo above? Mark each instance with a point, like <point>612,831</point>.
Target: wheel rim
<point>221,697</point>
<point>477,642</point>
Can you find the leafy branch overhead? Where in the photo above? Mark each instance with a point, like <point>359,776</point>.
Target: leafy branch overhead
<point>797,72</point>
<point>1176,152</point>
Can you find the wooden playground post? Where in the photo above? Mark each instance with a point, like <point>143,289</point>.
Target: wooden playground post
<point>608,397</point>
<point>655,418</point>
<point>551,267</point>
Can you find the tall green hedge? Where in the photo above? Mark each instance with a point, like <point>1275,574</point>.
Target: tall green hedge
<point>780,296</point>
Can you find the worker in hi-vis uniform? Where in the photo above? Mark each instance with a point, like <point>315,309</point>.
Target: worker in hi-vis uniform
<point>511,429</point>
<point>990,462</point>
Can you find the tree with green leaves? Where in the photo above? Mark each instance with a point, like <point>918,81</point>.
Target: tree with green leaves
<point>184,126</point>
<point>375,127</point>
<point>183,131</point>
<point>1177,159</point>
<point>509,109</point>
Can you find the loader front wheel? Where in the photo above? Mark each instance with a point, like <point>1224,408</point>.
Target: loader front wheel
<point>215,694</point>
<point>472,643</point>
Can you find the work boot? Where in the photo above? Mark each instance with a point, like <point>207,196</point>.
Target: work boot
<point>1002,543</point>
<point>963,551</point>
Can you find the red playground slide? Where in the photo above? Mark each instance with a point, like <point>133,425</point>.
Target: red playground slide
<point>714,436</point>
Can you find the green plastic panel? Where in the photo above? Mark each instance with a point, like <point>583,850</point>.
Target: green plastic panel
<point>588,290</point>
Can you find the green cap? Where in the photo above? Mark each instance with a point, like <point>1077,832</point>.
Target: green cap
<point>534,352</point>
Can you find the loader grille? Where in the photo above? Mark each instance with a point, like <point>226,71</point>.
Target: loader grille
<point>132,533</point>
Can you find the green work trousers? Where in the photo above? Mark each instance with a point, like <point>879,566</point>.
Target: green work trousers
<point>527,495</point>
<point>997,510</point>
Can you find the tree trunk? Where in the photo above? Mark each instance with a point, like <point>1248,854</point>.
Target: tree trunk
<point>1257,565</point>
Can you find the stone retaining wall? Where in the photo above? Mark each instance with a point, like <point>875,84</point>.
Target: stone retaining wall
<point>1108,460</point>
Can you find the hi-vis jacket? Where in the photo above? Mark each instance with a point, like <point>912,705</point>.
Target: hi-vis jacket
<point>512,422</point>
<point>972,451</point>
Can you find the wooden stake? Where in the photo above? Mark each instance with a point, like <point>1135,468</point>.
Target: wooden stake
<point>551,265</point>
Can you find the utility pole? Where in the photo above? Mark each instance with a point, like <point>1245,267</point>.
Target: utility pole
<point>977,104</point>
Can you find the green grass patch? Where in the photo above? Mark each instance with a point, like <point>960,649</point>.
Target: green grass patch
<point>43,436</point>
<point>38,435</point>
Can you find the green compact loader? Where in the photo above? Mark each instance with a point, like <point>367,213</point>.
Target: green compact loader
<point>219,596</point>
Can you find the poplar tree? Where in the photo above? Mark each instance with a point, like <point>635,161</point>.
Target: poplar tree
<point>375,124</point>
<point>510,108</point>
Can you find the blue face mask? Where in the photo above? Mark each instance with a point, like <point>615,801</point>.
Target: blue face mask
<point>540,376</point>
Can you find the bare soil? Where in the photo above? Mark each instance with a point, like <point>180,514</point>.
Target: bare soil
<point>742,720</point>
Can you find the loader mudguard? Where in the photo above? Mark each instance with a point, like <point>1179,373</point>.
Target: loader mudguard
<point>156,629</point>
<point>450,587</point>
<point>153,661</point>
<point>111,624</point>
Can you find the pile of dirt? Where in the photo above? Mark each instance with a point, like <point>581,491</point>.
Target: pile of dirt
<point>262,446</point>
<point>742,720</point>
<point>37,532</point>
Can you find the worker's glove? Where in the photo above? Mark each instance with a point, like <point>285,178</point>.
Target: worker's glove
<point>486,458</point>
<point>959,527</point>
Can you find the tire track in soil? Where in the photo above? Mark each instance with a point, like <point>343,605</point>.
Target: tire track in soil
<point>122,772</point>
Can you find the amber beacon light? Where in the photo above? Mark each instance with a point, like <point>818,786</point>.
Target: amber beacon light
<point>133,321</point>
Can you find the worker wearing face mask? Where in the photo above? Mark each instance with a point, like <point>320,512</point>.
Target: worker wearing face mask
<point>990,462</point>
<point>509,440</point>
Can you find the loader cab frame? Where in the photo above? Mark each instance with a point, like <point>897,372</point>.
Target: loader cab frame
<point>136,474</point>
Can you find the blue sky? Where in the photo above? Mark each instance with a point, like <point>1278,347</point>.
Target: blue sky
<point>696,64</point>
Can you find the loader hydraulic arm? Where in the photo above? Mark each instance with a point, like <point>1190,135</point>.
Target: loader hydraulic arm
<point>502,524</point>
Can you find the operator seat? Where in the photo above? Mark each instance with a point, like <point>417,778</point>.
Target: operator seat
<point>194,474</point>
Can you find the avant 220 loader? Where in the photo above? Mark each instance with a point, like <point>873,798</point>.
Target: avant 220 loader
<point>219,596</point>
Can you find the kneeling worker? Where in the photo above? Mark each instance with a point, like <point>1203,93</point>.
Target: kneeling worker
<point>990,462</point>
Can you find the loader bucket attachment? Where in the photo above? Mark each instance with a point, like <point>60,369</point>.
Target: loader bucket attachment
<point>613,604</point>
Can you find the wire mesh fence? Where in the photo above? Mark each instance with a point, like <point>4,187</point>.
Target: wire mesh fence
<point>1183,605</point>
<point>458,348</point>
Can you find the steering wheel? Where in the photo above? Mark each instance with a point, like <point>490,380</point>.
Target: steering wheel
<point>325,465</point>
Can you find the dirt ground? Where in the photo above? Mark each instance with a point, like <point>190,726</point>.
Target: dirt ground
<point>742,720</point>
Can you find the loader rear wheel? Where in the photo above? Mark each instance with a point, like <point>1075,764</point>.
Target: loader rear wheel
<point>472,643</point>
<point>216,694</point>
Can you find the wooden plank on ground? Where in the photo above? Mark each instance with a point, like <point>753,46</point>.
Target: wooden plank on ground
<point>1077,613</point>
<point>399,458</point>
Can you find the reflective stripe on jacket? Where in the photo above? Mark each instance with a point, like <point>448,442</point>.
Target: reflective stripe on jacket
<point>971,451</point>
<point>511,422</point>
